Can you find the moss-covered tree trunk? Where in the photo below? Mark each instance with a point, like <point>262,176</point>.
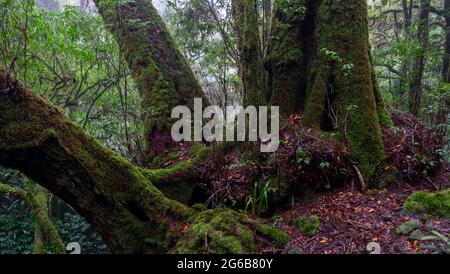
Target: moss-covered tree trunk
<point>116,197</point>
<point>446,57</point>
<point>320,65</point>
<point>415,85</point>
<point>39,245</point>
<point>252,74</point>
<point>291,49</point>
<point>163,76</point>
<point>45,234</point>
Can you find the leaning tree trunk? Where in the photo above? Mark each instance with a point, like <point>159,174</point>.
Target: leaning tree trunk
<point>320,65</point>
<point>117,198</point>
<point>164,80</point>
<point>113,195</point>
<point>163,76</point>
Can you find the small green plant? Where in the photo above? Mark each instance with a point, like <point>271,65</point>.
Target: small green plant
<point>293,7</point>
<point>308,225</point>
<point>331,55</point>
<point>259,199</point>
<point>347,69</point>
<point>324,165</point>
<point>303,157</point>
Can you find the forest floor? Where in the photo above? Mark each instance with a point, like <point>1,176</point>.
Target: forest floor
<point>350,220</point>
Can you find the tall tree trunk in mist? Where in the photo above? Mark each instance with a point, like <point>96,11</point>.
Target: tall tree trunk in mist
<point>415,85</point>
<point>246,27</point>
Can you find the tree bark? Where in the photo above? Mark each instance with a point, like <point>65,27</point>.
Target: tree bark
<point>39,234</point>
<point>246,26</point>
<point>162,74</point>
<point>415,86</point>
<point>446,58</point>
<point>291,50</point>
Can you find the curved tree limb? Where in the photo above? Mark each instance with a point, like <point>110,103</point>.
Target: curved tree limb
<point>44,224</point>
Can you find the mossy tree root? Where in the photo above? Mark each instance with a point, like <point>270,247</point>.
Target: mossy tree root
<point>180,181</point>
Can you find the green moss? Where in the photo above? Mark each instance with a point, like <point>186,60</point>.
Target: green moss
<point>316,107</point>
<point>111,193</point>
<point>437,203</point>
<point>281,238</point>
<point>225,231</point>
<point>252,72</point>
<point>351,93</point>
<point>218,231</point>
<point>308,225</point>
<point>163,77</point>
<point>6,189</point>
<point>199,207</point>
<point>286,60</point>
<point>162,176</point>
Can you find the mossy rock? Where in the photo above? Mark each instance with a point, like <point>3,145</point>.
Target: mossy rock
<point>417,235</point>
<point>436,204</point>
<point>308,225</point>
<point>407,227</point>
<point>223,231</point>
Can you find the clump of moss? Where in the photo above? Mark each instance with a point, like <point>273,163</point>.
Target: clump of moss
<point>280,237</point>
<point>217,231</point>
<point>199,207</point>
<point>223,231</point>
<point>437,203</point>
<point>308,225</point>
